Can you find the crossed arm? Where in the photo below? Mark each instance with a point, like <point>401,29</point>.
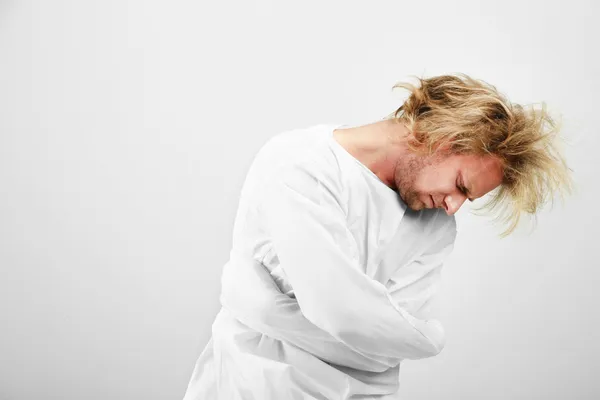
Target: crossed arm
<point>308,230</point>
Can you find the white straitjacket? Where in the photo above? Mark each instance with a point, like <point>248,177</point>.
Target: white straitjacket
<point>330,280</point>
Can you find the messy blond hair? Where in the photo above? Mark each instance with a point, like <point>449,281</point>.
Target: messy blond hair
<point>472,117</point>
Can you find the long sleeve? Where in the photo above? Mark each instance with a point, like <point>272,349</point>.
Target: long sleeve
<point>305,220</point>
<point>249,292</point>
<point>413,287</point>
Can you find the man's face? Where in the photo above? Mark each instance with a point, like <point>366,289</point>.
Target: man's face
<point>440,180</point>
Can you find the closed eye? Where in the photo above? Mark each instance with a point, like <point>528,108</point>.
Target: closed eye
<point>464,191</point>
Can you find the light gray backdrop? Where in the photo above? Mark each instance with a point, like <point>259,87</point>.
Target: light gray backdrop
<point>126,131</point>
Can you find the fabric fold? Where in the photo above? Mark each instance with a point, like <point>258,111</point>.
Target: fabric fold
<point>329,281</point>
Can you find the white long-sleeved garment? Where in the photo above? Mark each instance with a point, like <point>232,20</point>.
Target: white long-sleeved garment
<point>329,282</point>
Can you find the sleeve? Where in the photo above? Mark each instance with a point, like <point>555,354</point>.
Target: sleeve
<point>307,225</point>
<point>251,295</point>
<point>413,287</point>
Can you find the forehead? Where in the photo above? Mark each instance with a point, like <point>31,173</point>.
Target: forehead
<point>481,174</point>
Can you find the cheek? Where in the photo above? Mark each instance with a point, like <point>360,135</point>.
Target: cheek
<point>434,183</point>
<point>426,180</point>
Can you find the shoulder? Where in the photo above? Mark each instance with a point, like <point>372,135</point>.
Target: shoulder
<point>293,143</point>
<point>302,156</point>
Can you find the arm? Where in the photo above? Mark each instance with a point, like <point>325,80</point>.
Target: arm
<point>307,226</point>
<point>251,295</point>
<point>413,286</point>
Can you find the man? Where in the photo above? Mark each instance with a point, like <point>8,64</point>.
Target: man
<point>341,234</point>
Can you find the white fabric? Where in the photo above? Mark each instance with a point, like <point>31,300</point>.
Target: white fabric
<point>329,282</point>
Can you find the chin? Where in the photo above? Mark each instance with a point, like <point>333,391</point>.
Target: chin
<point>416,205</point>
<point>412,201</point>
<point>420,205</point>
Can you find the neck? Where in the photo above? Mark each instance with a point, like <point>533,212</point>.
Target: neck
<point>378,145</point>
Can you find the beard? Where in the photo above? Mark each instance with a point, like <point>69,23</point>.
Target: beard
<point>406,173</point>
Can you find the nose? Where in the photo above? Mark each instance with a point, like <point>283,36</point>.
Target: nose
<point>453,203</point>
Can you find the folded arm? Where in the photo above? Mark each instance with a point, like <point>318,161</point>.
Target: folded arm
<point>307,226</point>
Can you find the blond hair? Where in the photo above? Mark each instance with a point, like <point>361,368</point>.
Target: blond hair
<point>472,117</point>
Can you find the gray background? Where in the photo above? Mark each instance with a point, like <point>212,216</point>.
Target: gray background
<point>126,131</point>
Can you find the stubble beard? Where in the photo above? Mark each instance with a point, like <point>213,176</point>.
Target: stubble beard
<point>406,173</point>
